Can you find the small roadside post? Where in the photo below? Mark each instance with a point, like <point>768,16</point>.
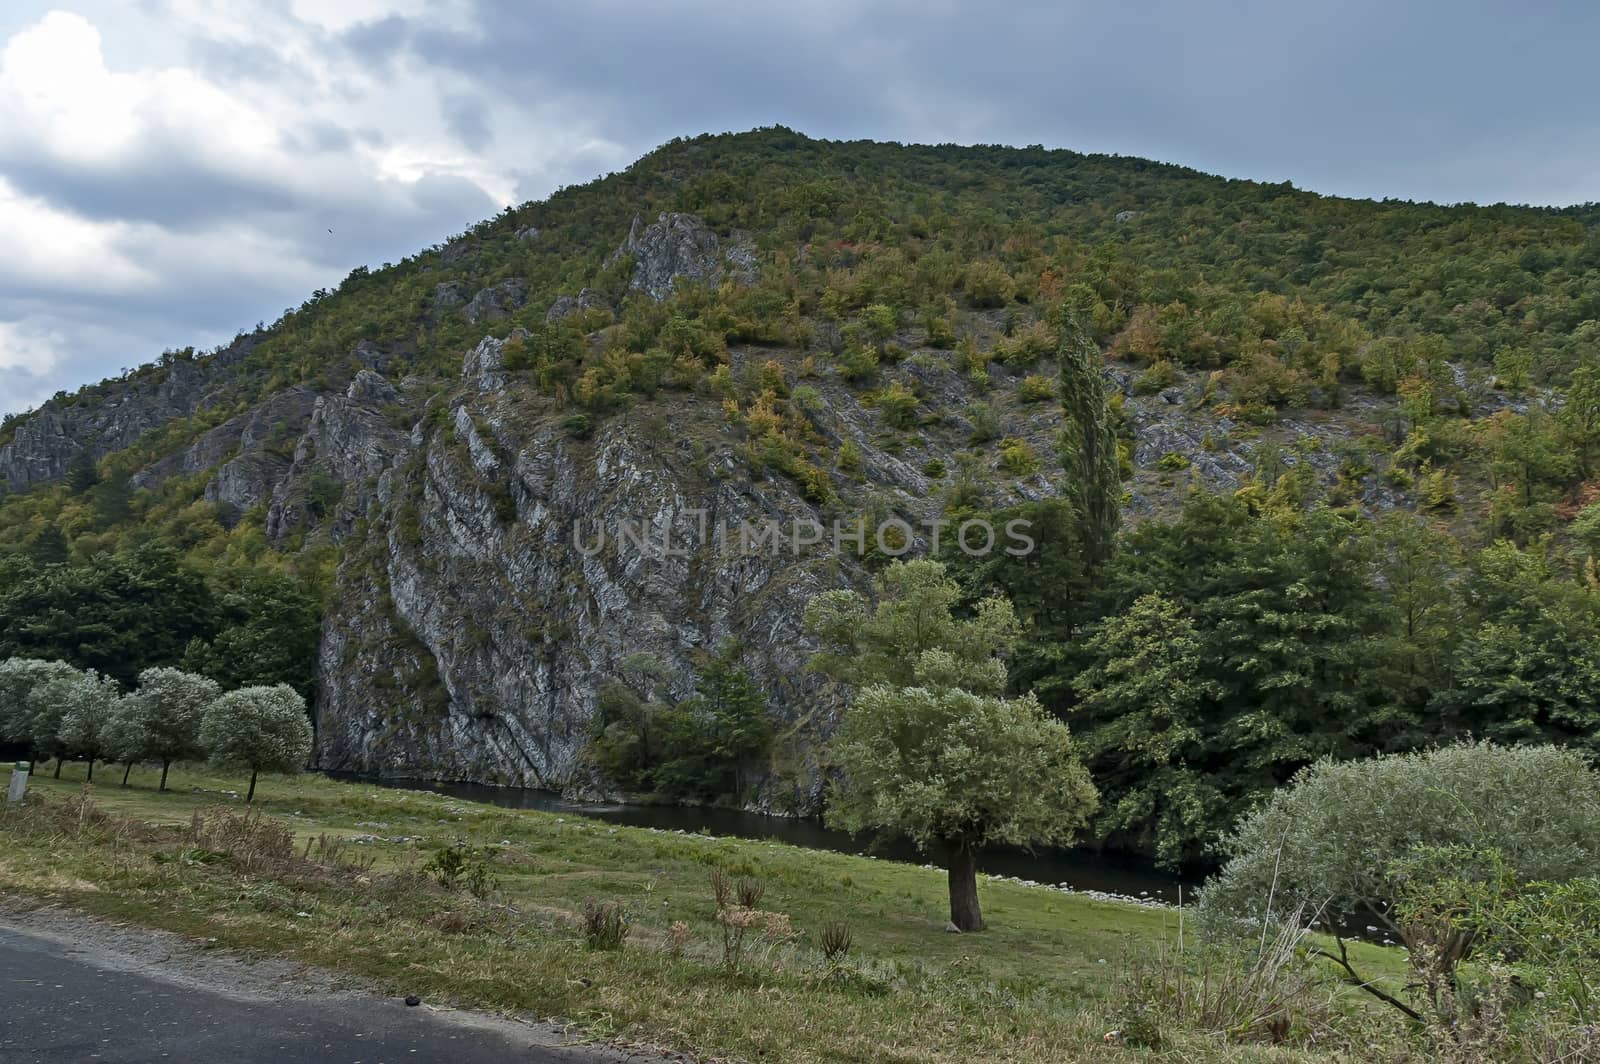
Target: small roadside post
<point>19,781</point>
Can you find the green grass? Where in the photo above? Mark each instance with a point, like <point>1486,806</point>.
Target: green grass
<point>1032,987</point>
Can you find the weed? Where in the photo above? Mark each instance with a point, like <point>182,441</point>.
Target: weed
<point>605,924</point>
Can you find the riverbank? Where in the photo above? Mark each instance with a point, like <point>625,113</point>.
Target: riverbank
<point>1097,874</point>
<point>1040,985</point>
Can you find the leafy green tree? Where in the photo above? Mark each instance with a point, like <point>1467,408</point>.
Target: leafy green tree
<point>87,703</point>
<point>734,721</point>
<point>1278,628</point>
<point>118,614</point>
<point>124,737</point>
<point>168,709</point>
<point>26,716</point>
<point>1416,565</point>
<point>866,642</point>
<point>263,729</point>
<point>270,629</point>
<point>1147,694</point>
<point>1344,837</point>
<point>1580,417</point>
<point>1527,669</point>
<point>928,747</point>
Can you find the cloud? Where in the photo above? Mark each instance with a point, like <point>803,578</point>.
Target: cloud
<point>169,169</point>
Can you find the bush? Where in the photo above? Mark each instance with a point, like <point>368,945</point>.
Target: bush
<point>1351,838</point>
<point>605,925</point>
<point>1017,458</point>
<point>987,284</point>
<point>984,422</point>
<point>462,867</point>
<point>1036,389</point>
<point>1027,345</point>
<point>1161,374</point>
<point>898,404</point>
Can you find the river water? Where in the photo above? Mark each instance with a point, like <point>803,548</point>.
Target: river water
<point>1082,870</point>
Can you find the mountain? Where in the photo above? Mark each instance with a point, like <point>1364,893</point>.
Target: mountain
<point>764,327</point>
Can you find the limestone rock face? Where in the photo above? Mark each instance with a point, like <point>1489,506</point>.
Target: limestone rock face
<point>112,415</point>
<point>496,302</point>
<point>677,246</point>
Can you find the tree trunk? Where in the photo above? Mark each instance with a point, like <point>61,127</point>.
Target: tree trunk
<point>58,767</point>
<point>125,770</point>
<point>91,771</point>
<point>164,766</point>
<point>964,911</point>
<point>252,795</point>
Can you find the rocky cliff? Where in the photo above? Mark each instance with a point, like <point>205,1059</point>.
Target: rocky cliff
<point>495,564</point>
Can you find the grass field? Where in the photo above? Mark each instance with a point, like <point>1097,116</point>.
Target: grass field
<point>1040,984</point>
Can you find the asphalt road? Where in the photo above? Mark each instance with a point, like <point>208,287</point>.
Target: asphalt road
<point>58,1006</point>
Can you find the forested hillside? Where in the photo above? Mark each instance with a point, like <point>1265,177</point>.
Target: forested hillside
<point>1353,446</point>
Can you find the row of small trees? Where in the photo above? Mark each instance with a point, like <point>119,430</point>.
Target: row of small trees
<point>67,714</point>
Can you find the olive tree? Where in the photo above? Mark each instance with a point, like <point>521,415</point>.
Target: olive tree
<point>168,709</point>
<point>929,747</point>
<point>1350,838</point>
<point>86,703</point>
<point>263,729</point>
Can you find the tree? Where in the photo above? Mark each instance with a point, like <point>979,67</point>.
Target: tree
<point>124,737</point>
<point>1088,444</point>
<point>270,628</point>
<point>866,644</point>
<point>24,717</point>
<point>928,747</point>
<point>733,723</point>
<point>88,702</point>
<point>169,708</point>
<point>1143,698</point>
<point>1344,837</point>
<point>123,611</point>
<point>1580,417</point>
<point>263,729</point>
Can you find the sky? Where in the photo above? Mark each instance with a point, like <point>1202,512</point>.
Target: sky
<point>170,169</point>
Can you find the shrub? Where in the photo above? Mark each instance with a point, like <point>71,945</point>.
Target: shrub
<point>1161,374</point>
<point>858,362</point>
<point>1172,462</point>
<point>1017,458</point>
<point>1027,345</point>
<point>1348,836</point>
<point>987,284</point>
<point>984,424</point>
<point>898,404</point>
<point>835,942</point>
<point>1036,389</point>
<point>462,867</point>
<point>605,925</point>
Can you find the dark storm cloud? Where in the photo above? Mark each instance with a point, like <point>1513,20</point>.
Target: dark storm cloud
<point>1449,101</point>
<point>1446,101</point>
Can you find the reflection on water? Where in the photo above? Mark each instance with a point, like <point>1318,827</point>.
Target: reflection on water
<point>1079,869</point>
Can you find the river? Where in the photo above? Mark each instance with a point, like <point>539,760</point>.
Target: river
<point>1083,870</point>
